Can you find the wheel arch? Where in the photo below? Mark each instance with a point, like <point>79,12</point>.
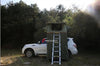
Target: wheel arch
<point>30,49</point>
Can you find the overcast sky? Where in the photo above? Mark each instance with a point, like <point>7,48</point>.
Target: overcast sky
<point>82,4</point>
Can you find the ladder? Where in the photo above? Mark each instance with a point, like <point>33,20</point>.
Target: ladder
<point>56,48</point>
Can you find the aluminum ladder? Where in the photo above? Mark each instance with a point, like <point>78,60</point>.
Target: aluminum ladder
<point>57,46</point>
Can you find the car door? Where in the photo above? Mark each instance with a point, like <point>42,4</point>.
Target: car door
<point>42,49</point>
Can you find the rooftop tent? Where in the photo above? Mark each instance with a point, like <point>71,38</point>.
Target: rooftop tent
<point>54,28</point>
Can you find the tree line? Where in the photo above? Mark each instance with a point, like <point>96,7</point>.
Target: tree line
<point>22,24</point>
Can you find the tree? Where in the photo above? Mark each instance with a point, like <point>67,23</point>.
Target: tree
<point>85,30</point>
<point>18,24</point>
<point>61,12</point>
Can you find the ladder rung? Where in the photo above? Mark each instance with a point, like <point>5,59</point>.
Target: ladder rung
<point>56,61</point>
<point>56,51</point>
<point>56,42</point>
<point>56,38</point>
<point>56,46</point>
<point>56,56</point>
<point>56,34</point>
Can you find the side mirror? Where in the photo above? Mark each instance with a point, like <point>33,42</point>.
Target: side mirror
<point>38,42</point>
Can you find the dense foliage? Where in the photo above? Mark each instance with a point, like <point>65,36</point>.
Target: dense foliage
<point>22,23</point>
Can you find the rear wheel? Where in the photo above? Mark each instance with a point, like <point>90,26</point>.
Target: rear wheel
<point>29,53</point>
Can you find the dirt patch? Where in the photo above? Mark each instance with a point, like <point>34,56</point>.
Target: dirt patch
<point>6,60</point>
<point>82,59</point>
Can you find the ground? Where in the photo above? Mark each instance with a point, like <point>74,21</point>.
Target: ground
<point>15,58</point>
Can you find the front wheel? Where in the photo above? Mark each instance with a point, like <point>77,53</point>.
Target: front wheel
<point>29,53</point>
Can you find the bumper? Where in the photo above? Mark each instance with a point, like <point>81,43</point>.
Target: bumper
<point>74,51</point>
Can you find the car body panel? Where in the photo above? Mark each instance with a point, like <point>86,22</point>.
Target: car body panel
<point>38,48</point>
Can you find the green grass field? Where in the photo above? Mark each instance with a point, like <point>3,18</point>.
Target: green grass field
<point>15,58</point>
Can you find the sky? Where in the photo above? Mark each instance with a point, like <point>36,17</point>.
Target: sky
<point>49,4</point>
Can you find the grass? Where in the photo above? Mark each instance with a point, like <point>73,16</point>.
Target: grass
<point>15,58</point>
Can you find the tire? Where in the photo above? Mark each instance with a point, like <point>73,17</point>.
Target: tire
<point>29,53</point>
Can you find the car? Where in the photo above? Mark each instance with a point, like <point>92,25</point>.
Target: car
<point>30,50</point>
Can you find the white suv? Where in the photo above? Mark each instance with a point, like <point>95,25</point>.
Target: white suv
<point>37,48</point>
